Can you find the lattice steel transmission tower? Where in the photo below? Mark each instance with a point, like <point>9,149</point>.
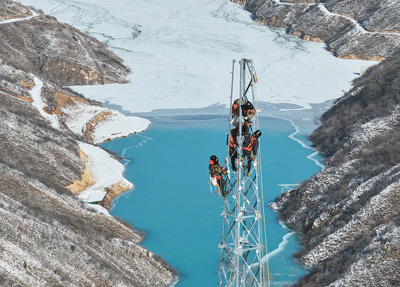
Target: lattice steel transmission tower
<point>243,232</point>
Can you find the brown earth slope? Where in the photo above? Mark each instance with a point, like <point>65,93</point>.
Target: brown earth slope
<point>55,51</point>
<point>48,237</point>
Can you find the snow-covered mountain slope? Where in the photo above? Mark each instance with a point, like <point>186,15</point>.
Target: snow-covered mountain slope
<point>354,29</point>
<point>39,44</point>
<point>349,212</point>
<point>49,236</point>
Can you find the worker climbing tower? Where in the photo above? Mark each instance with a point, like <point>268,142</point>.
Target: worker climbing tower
<point>243,233</point>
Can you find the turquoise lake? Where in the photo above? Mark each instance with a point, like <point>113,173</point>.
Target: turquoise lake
<point>172,202</point>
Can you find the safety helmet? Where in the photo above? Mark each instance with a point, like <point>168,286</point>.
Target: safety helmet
<point>248,105</point>
<point>257,134</point>
<point>213,158</point>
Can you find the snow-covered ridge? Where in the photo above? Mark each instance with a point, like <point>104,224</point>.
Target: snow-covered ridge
<point>371,129</point>
<point>106,170</point>
<point>105,124</point>
<point>349,216</point>
<point>77,115</point>
<point>34,14</point>
<point>357,29</point>
<point>357,274</point>
<point>359,225</point>
<point>39,104</point>
<point>92,122</point>
<point>51,238</point>
<point>323,8</point>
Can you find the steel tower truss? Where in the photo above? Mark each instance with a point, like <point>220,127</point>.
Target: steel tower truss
<point>241,246</point>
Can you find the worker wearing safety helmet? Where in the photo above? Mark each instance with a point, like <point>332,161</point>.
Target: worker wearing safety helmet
<point>248,110</point>
<point>216,172</point>
<point>250,148</point>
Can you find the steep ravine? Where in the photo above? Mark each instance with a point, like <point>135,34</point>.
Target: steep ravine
<point>48,236</point>
<point>348,214</point>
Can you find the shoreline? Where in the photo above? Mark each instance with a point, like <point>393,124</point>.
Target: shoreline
<point>108,171</point>
<point>102,177</point>
<point>113,194</point>
<point>111,129</point>
<point>281,124</point>
<point>276,22</point>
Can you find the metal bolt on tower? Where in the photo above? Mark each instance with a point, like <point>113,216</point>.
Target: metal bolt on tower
<point>242,245</point>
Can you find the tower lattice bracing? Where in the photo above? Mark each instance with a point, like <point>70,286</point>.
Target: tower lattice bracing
<point>242,246</point>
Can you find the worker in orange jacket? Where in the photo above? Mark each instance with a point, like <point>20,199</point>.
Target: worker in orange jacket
<point>248,110</point>
<point>250,148</point>
<point>216,172</point>
<point>233,148</point>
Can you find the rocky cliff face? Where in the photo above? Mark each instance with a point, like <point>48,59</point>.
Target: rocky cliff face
<point>353,29</point>
<point>56,51</point>
<point>348,214</point>
<point>48,237</point>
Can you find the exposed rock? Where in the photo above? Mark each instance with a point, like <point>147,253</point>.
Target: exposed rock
<point>87,179</point>
<point>54,232</point>
<point>352,29</point>
<point>349,212</point>
<point>27,139</point>
<point>91,125</point>
<point>112,192</point>
<point>12,10</point>
<point>49,237</point>
<point>56,51</point>
<point>375,16</point>
<point>39,167</point>
<point>63,100</point>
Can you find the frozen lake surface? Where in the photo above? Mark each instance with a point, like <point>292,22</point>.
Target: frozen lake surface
<point>180,53</point>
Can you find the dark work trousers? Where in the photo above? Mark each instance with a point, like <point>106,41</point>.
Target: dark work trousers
<point>222,186</point>
<point>247,154</point>
<point>233,156</point>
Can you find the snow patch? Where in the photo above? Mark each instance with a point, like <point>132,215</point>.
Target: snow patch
<point>34,14</point>
<point>39,104</point>
<point>106,171</point>
<point>118,125</point>
<point>375,127</point>
<point>344,236</point>
<point>114,125</point>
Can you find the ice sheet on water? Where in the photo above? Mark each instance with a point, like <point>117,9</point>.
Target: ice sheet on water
<point>180,53</point>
